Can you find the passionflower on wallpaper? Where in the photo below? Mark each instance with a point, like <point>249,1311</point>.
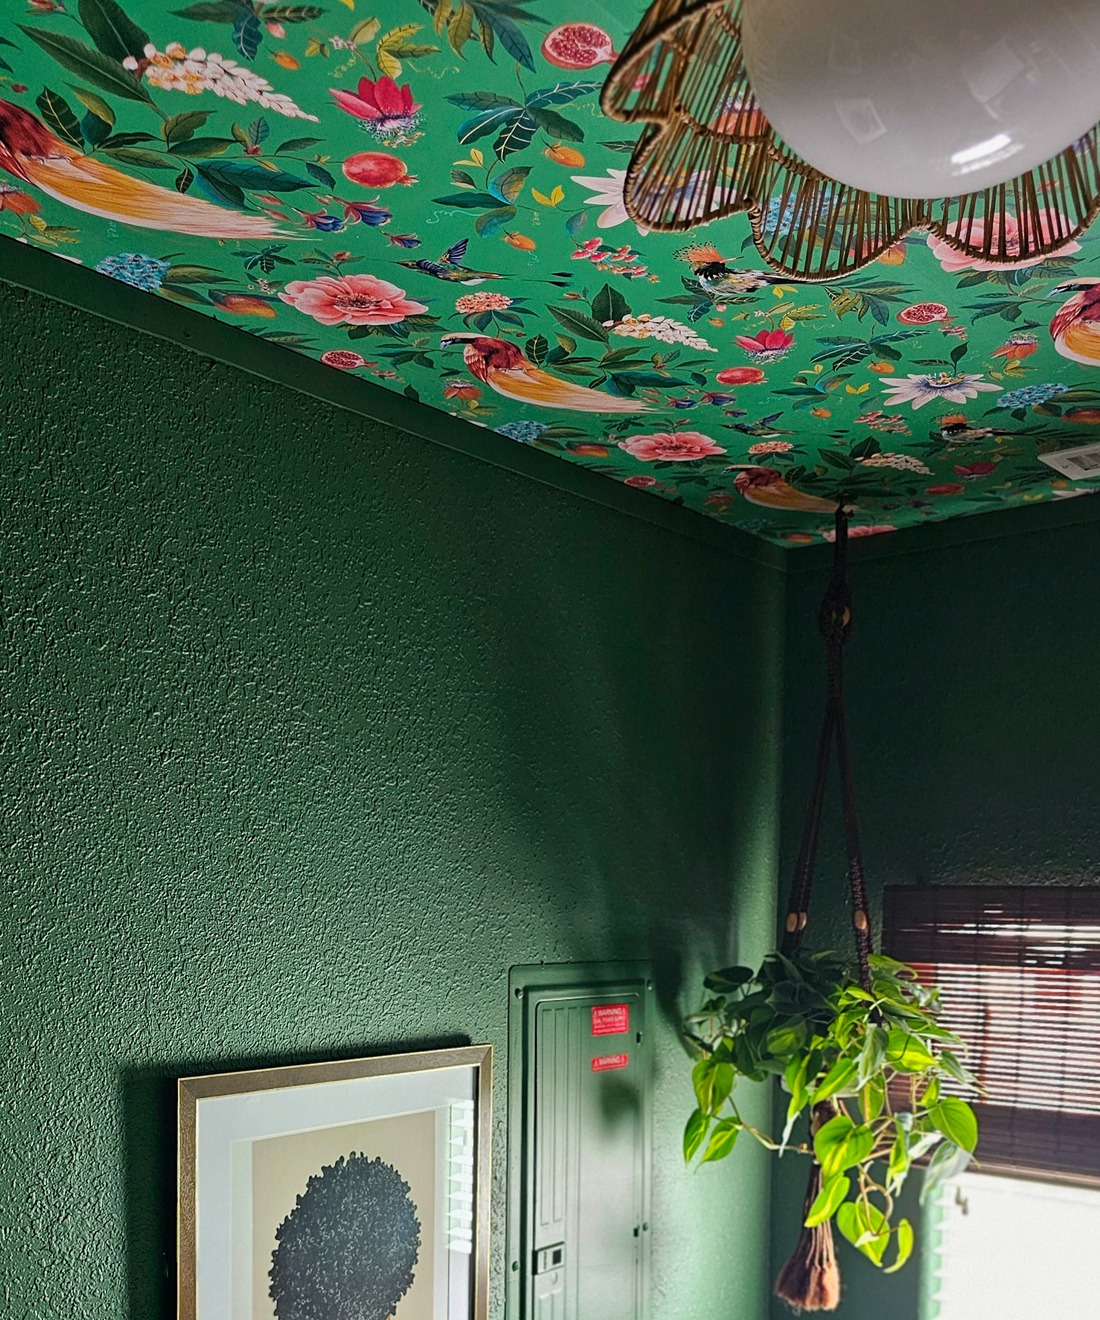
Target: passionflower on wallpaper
<point>425,194</point>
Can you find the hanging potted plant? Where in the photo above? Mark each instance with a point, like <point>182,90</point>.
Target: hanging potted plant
<point>863,1053</point>
<point>867,1065</point>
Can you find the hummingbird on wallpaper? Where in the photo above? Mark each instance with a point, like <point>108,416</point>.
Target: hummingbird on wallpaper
<point>449,267</point>
<point>761,430</point>
<point>502,366</point>
<point>720,281</point>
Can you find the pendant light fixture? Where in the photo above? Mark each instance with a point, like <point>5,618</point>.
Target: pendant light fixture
<point>840,125</point>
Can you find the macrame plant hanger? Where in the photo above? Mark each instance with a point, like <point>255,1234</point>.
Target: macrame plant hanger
<point>810,1280</point>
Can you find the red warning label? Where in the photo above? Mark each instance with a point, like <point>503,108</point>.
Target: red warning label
<point>610,1019</point>
<point>607,1062</point>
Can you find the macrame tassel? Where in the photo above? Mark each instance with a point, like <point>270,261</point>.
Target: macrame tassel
<point>810,1280</point>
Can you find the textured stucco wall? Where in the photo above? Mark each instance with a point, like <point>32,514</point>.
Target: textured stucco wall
<point>310,730</point>
<point>976,741</point>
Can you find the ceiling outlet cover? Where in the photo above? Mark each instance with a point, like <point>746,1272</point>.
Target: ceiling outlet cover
<point>1080,463</point>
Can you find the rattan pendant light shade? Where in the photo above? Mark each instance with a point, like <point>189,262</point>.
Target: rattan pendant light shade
<point>708,151</point>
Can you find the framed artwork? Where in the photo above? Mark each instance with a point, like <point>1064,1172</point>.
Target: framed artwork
<point>355,1190</point>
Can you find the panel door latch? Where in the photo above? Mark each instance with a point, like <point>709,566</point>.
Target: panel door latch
<point>550,1258</point>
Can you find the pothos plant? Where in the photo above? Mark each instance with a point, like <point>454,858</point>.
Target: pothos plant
<point>868,1065</point>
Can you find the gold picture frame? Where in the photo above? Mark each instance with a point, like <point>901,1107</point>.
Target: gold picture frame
<point>248,1140</point>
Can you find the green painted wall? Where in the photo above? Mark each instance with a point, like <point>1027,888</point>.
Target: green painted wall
<point>310,729</point>
<point>970,679</point>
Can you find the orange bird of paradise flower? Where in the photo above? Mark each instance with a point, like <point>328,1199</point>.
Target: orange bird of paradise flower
<point>501,366</point>
<point>1075,327</point>
<point>766,487</point>
<point>30,152</point>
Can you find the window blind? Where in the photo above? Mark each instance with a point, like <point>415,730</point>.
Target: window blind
<point>1018,971</point>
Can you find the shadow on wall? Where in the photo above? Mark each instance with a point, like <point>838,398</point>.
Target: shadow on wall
<point>653,716</point>
<point>148,1103</point>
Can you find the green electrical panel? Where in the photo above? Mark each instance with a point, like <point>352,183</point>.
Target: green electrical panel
<point>580,1140</point>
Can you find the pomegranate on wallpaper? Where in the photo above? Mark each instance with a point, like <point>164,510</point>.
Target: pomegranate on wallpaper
<point>425,195</point>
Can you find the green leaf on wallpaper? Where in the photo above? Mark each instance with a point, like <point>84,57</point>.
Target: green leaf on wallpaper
<point>440,15</point>
<point>213,11</point>
<point>535,349</point>
<point>469,201</point>
<point>576,222</point>
<point>291,13</point>
<point>487,37</point>
<point>460,28</point>
<point>486,122</point>
<point>579,323</point>
<point>88,64</point>
<point>182,126</point>
<point>146,160</point>
<point>59,117</point>
<point>562,93</point>
<point>481,100</point>
<point>128,139</point>
<point>292,145</point>
<point>492,222</point>
<point>556,125</point>
<point>95,131</point>
<point>319,173</point>
<point>186,296</point>
<point>518,134</point>
<point>868,449</point>
<point>247,35</point>
<point>609,305</point>
<point>217,189</point>
<point>184,179</point>
<point>511,38</point>
<point>112,30</point>
<point>186,273</point>
<point>509,185</point>
<point>201,147</point>
<point>246,174</point>
<point>95,105</point>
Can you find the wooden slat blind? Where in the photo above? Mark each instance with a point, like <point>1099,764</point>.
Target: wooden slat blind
<point>1019,977</point>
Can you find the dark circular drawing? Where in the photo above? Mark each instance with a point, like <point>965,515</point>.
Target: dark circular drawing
<point>347,1249</point>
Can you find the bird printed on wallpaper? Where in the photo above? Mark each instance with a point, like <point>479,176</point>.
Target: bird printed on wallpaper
<point>30,152</point>
<point>723,282</point>
<point>501,366</point>
<point>449,267</point>
<point>1075,327</point>
<point>767,487</point>
<point>764,429</point>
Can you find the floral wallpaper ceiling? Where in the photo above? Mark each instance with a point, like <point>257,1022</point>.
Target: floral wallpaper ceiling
<point>423,193</point>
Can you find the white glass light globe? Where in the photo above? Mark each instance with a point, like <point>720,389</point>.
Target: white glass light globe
<point>925,98</point>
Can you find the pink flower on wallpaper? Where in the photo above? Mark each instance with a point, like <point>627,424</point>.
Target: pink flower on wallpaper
<point>677,447</point>
<point>351,300</point>
<point>768,345</point>
<point>383,101</point>
<point>1050,223</point>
